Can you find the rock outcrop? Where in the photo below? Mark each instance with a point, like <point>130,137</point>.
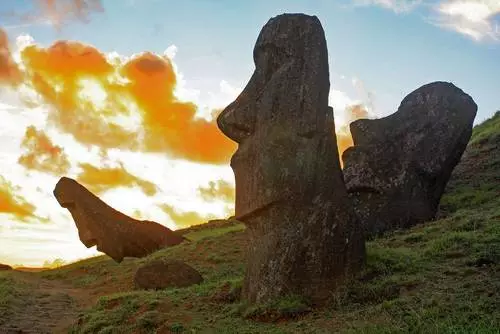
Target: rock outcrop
<point>398,168</point>
<point>113,232</point>
<point>5,267</point>
<point>290,193</point>
<point>162,274</point>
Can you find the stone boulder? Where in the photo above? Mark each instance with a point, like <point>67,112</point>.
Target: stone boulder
<point>290,193</point>
<point>162,274</point>
<point>398,168</point>
<point>113,232</point>
<point>5,267</point>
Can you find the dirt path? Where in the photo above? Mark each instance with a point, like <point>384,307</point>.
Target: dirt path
<point>49,306</point>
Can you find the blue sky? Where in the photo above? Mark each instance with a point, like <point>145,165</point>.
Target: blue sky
<point>379,51</point>
<point>390,51</point>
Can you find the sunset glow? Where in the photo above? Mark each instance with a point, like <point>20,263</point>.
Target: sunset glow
<point>130,112</point>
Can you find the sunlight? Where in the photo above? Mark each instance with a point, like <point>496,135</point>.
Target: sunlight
<point>92,90</point>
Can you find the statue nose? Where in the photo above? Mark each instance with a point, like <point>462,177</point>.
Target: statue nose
<point>236,121</point>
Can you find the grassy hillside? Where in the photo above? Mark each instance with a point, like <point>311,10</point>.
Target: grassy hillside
<point>440,277</point>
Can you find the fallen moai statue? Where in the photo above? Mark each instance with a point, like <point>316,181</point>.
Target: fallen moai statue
<point>113,232</point>
<point>398,168</point>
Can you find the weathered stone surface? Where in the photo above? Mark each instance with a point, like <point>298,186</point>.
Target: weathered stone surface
<point>162,274</point>
<point>5,267</point>
<point>304,237</point>
<point>399,165</point>
<point>114,233</point>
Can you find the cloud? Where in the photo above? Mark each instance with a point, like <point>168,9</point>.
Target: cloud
<point>9,71</point>
<point>367,95</point>
<point>42,155</point>
<point>347,110</point>
<point>99,180</point>
<point>59,74</point>
<point>12,203</point>
<point>398,6</point>
<point>57,12</point>
<point>473,18</point>
<point>217,190</point>
<point>170,52</point>
<point>171,125</point>
<point>131,104</point>
<point>185,219</point>
<point>339,100</point>
<point>344,138</point>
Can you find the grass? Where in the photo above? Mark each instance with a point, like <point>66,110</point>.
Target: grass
<point>12,294</point>
<point>205,233</point>
<point>438,277</point>
<point>487,130</point>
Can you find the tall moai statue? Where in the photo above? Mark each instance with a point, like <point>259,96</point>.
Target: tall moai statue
<point>290,193</point>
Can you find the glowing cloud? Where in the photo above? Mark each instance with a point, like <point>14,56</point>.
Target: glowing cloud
<point>344,138</point>
<point>58,74</point>
<point>219,189</point>
<point>42,155</point>
<point>13,204</point>
<point>9,71</point>
<point>185,219</point>
<point>99,180</point>
<point>170,125</point>
<point>141,87</point>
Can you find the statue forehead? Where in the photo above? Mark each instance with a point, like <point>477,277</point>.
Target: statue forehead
<point>66,187</point>
<point>65,182</point>
<point>287,31</point>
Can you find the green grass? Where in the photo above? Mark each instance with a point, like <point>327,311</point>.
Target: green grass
<point>438,277</point>
<point>11,296</point>
<point>487,130</point>
<point>205,233</point>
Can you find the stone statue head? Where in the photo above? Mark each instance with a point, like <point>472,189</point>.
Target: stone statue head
<point>281,120</point>
<point>66,192</point>
<point>400,164</point>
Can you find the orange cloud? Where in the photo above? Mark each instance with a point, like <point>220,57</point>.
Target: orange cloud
<point>57,74</point>
<point>344,138</point>
<point>148,81</point>
<point>13,204</point>
<point>42,154</point>
<point>9,71</point>
<point>99,180</point>
<point>185,219</point>
<point>219,189</point>
<point>171,125</point>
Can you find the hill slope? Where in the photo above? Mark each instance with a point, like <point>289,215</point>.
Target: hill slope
<point>440,277</point>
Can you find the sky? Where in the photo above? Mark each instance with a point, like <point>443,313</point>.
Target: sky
<point>122,96</point>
